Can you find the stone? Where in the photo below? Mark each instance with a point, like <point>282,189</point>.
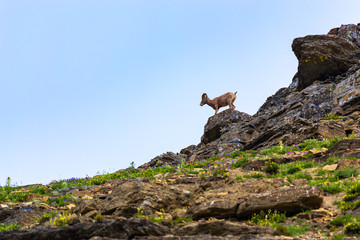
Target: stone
<point>86,206</point>
<point>169,158</point>
<point>127,197</point>
<point>349,31</point>
<point>241,203</point>
<point>290,201</point>
<point>331,167</point>
<point>216,124</point>
<point>323,56</point>
<point>221,228</point>
<point>346,148</point>
<point>120,229</point>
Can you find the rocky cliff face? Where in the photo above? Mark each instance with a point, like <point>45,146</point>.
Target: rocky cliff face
<point>327,83</point>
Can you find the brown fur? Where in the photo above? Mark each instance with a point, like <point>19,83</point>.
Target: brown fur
<point>218,102</point>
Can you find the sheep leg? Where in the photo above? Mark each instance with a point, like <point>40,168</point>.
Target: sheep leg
<point>229,102</point>
<point>216,110</point>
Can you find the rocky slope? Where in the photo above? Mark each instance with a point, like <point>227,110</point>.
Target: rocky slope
<point>251,177</point>
<point>327,82</point>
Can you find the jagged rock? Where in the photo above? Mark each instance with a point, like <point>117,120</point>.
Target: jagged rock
<point>86,206</point>
<point>169,158</point>
<point>216,124</point>
<point>292,116</point>
<point>129,196</point>
<point>323,56</point>
<point>187,150</point>
<point>345,149</point>
<point>222,228</point>
<point>26,215</point>
<point>349,31</point>
<point>120,229</point>
<point>243,204</point>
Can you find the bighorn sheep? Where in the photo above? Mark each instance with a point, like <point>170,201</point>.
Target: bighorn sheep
<point>218,102</point>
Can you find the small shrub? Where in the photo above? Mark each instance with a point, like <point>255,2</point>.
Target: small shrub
<point>268,219</point>
<point>330,160</point>
<point>352,227</point>
<point>258,175</point>
<point>346,173</point>
<point>342,220</point>
<point>9,227</point>
<point>339,236</point>
<point>239,179</point>
<point>98,217</point>
<point>271,167</point>
<point>333,116</point>
<point>293,169</point>
<point>61,220</point>
<point>183,220</point>
<point>333,188</point>
<point>303,175</point>
<point>282,230</point>
<point>60,201</point>
<point>47,216</point>
<point>240,162</point>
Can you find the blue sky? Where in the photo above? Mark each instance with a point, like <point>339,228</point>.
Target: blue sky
<point>89,86</point>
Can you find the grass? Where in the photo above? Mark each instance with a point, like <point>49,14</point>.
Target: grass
<point>60,201</point>
<point>268,219</point>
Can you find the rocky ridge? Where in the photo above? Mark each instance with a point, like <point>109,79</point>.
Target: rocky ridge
<point>244,166</point>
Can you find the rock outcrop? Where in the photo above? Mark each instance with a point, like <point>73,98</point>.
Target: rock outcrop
<point>327,83</point>
<point>323,57</point>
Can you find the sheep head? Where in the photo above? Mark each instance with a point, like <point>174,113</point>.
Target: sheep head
<point>204,98</point>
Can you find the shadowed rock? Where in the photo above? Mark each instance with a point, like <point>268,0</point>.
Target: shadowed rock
<point>119,229</point>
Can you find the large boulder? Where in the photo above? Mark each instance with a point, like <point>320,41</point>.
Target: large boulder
<point>128,197</point>
<point>322,57</point>
<point>243,204</point>
<point>169,158</point>
<point>217,123</point>
<point>290,200</point>
<point>222,228</point>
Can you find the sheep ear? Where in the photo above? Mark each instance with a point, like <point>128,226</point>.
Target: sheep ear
<point>204,94</point>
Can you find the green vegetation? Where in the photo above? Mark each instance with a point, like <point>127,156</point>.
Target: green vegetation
<point>60,201</point>
<point>352,228</point>
<point>61,220</point>
<point>98,217</point>
<point>342,220</point>
<point>346,173</point>
<point>160,216</point>
<point>294,230</point>
<point>268,219</point>
<point>333,116</point>
<point>47,216</point>
<point>271,167</point>
<point>273,219</point>
<point>8,227</point>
